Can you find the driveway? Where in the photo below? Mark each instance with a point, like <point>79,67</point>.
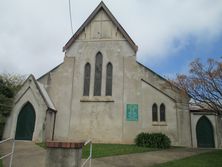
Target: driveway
<point>27,154</point>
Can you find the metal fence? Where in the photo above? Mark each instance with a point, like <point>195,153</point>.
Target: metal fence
<point>90,154</point>
<point>12,151</point>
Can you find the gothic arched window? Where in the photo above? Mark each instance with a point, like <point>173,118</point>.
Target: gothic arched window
<point>98,74</point>
<point>154,113</point>
<point>86,79</point>
<point>109,78</point>
<point>162,113</point>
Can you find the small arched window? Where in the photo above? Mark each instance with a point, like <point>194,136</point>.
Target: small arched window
<point>109,78</point>
<point>162,113</point>
<point>98,74</point>
<point>86,79</point>
<point>154,113</point>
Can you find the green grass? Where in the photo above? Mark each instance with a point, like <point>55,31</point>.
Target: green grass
<point>1,163</point>
<point>105,150</point>
<point>210,159</point>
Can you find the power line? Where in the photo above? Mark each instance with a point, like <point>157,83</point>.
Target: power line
<point>70,15</point>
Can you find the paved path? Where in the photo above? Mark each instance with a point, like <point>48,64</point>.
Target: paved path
<point>27,154</point>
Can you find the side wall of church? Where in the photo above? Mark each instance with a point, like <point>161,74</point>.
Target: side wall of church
<point>143,87</point>
<point>58,84</point>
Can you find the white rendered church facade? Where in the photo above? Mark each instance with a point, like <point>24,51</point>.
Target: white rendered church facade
<point>100,92</point>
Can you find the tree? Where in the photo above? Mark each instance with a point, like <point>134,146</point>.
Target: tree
<point>9,85</point>
<point>203,84</point>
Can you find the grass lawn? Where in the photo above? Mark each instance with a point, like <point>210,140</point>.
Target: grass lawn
<point>1,163</point>
<point>105,150</point>
<point>210,159</point>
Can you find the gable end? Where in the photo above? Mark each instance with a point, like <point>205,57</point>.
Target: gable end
<point>100,7</point>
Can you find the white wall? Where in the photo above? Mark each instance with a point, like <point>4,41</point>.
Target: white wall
<point>28,93</point>
<point>103,118</point>
<point>195,116</point>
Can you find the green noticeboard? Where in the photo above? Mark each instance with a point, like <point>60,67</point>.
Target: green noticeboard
<point>132,112</point>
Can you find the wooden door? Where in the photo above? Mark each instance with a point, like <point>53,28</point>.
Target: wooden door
<point>25,123</point>
<point>205,133</point>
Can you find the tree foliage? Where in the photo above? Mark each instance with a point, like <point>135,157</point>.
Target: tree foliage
<point>203,84</point>
<point>9,85</point>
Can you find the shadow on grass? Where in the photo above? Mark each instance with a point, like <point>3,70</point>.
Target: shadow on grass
<point>209,159</point>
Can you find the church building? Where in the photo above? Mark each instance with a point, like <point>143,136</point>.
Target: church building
<point>100,92</point>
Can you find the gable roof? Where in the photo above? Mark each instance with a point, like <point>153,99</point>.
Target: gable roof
<point>162,78</point>
<point>89,19</point>
<point>45,96</point>
<point>40,87</point>
<point>49,71</point>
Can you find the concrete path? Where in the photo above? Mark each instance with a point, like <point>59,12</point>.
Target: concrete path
<point>27,154</point>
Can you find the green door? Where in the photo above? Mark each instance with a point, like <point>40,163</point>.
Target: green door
<point>205,133</point>
<point>25,123</point>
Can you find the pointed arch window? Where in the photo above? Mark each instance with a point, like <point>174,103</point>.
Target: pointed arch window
<point>87,72</point>
<point>162,113</point>
<point>154,113</point>
<point>98,74</point>
<point>109,78</point>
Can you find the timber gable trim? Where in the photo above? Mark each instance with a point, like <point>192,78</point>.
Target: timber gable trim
<point>90,18</point>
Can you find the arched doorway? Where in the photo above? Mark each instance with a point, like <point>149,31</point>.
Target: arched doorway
<point>25,123</point>
<point>205,133</point>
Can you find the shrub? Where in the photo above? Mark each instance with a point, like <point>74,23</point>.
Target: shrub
<point>9,86</point>
<point>153,140</point>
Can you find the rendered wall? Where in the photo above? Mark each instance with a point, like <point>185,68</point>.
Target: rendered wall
<point>103,118</point>
<point>28,93</point>
<point>216,123</point>
<point>219,131</point>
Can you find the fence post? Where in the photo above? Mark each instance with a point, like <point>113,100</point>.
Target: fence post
<point>90,154</point>
<point>90,161</point>
<point>13,148</point>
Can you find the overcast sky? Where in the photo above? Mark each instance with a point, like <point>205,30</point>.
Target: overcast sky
<point>169,33</point>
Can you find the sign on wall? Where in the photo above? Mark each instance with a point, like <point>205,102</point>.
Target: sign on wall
<point>132,112</point>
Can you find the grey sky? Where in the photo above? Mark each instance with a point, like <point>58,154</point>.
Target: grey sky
<point>33,32</point>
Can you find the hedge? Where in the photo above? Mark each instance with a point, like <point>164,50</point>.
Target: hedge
<point>153,140</point>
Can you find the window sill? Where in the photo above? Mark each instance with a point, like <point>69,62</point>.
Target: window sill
<point>96,99</point>
<point>159,124</point>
